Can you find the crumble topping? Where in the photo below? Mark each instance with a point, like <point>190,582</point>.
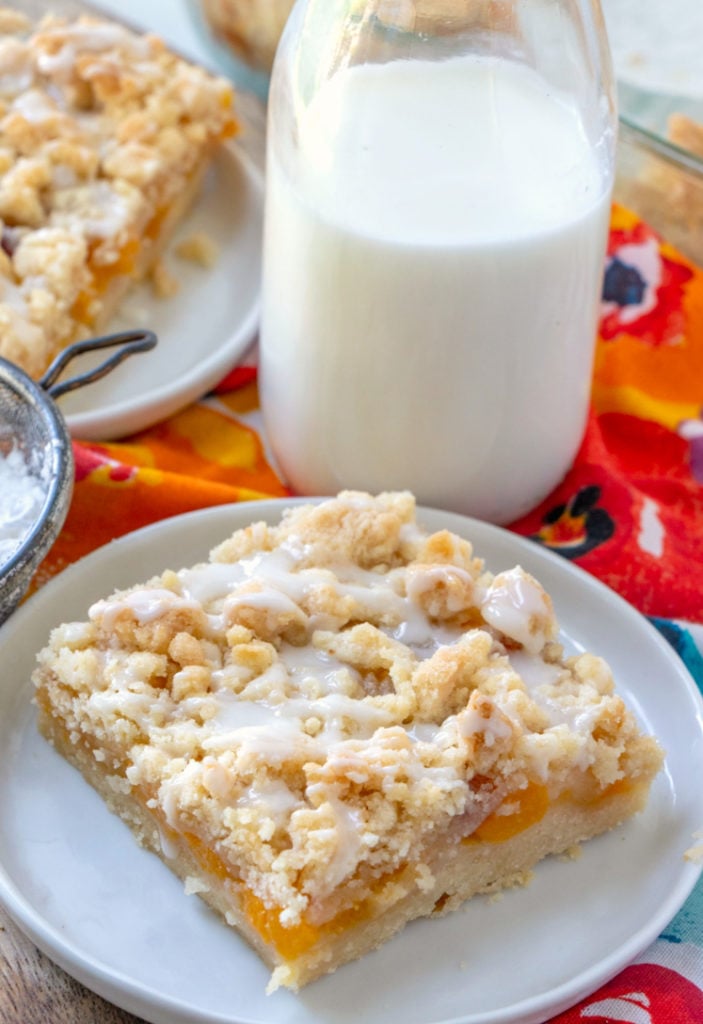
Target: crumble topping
<point>101,130</point>
<point>199,248</point>
<point>324,697</point>
<point>695,852</point>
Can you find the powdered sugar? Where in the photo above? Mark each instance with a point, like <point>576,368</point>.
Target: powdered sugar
<point>21,500</point>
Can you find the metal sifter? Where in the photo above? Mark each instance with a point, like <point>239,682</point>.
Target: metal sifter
<point>31,421</point>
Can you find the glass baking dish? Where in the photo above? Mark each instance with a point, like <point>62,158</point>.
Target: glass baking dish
<point>657,49</point>
<point>663,184</point>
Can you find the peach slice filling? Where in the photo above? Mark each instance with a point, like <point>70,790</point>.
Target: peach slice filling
<point>102,275</point>
<point>127,263</point>
<point>527,807</point>
<point>292,942</point>
<point>289,942</point>
<point>530,806</point>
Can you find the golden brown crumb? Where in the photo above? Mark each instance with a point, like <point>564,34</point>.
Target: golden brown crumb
<point>686,133</point>
<point>199,248</point>
<point>695,853</point>
<point>13,21</point>
<point>164,283</point>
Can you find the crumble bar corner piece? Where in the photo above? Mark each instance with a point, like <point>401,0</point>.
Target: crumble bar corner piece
<point>340,723</point>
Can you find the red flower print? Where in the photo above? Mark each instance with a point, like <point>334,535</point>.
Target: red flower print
<point>88,460</point>
<point>643,290</point>
<point>641,994</point>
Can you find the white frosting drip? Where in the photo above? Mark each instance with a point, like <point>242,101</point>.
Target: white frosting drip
<point>540,677</point>
<point>273,711</point>
<point>135,706</point>
<point>424,641</point>
<point>168,848</point>
<point>493,728</point>
<point>207,584</point>
<point>270,599</point>
<point>274,796</point>
<point>234,714</point>
<point>534,671</point>
<point>346,855</point>
<point>430,576</point>
<point>145,605</point>
<point>422,732</point>
<point>89,38</point>
<point>16,310</point>
<point>101,212</point>
<point>16,67</point>
<point>374,593</point>
<point>328,674</point>
<point>273,743</point>
<point>516,605</point>
<point>309,705</point>
<point>34,106</point>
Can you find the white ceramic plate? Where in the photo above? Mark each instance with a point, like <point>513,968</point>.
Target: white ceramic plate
<point>114,917</point>
<point>203,330</point>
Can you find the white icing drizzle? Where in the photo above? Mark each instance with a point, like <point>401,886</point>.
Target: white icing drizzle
<point>540,677</point>
<point>492,729</point>
<point>168,847</point>
<point>15,308</point>
<point>428,577</point>
<point>234,714</point>
<point>34,106</point>
<point>94,209</point>
<point>275,796</point>
<point>534,671</point>
<point>16,67</point>
<point>349,829</point>
<point>422,732</point>
<point>516,605</point>
<point>137,707</point>
<point>146,605</point>
<point>274,743</point>
<point>272,713</point>
<point>425,640</point>
<point>271,600</point>
<point>310,706</point>
<point>206,584</point>
<point>88,38</point>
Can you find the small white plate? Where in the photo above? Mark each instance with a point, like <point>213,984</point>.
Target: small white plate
<point>203,330</point>
<point>115,918</point>
<point>657,46</point>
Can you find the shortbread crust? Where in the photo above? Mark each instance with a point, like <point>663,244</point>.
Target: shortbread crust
<point>104,138</point>
<point>340,724</point>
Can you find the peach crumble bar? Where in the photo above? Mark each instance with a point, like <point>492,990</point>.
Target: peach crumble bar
<point>339,724</point>
<point>104,138</point>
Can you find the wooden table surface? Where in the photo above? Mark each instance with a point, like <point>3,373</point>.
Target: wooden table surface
<point>33,990</point>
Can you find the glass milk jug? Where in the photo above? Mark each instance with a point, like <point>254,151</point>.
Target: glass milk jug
<point>439,176</point>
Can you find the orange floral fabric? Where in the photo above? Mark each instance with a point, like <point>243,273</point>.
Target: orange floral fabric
<point>630,511</point>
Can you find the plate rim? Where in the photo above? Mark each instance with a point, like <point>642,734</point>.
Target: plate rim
<point>161,1008</point>
<point>107,423</point>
